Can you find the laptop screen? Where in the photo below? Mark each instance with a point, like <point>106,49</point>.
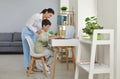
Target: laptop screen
<point>69,31</point>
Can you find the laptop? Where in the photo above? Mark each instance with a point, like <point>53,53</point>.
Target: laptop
<point>69,34</point>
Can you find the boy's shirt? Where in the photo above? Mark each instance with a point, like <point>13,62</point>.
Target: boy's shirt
<point>41,42</point>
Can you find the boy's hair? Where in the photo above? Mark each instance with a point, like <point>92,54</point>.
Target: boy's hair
<point>45,22</point>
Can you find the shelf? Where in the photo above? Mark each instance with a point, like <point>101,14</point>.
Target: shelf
<point>103,42</point>
<point>98,42</point>
<point>97,68</point>
<point>87,41</point>
<point>65,18</point>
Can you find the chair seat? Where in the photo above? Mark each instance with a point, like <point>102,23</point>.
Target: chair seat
<point>38,55</point>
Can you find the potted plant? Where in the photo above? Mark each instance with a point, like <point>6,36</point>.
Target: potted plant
<point>51,33</point>
<point>91,24</point>
<point>57,33</point>
<point>54,33</point>
<point>63,8</point>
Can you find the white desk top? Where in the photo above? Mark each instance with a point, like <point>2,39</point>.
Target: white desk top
<point>65,42</point>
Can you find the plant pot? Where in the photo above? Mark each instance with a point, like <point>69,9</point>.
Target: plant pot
<point>91,37</point>
<point>64,8</point>
<point>98,37</point>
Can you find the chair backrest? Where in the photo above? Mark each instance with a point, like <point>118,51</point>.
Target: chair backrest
<point>31,45</point>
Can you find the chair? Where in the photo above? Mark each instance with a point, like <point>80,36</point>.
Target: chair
<point>35,56</point>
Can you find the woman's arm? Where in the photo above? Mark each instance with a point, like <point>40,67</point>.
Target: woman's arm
<point>33,23</point>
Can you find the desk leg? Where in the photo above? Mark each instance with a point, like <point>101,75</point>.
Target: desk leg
<point>73,57</point>
<point>54,63</point>
<point>67,58</point>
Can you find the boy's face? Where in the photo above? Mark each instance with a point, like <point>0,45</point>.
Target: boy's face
<point>46,27</point>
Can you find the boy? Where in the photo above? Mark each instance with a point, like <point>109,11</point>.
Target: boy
<point>41,45</point>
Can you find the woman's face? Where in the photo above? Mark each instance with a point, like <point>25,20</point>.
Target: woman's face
<point>48,15</point>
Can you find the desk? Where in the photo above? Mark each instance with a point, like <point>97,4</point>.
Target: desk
<point>56,43</point>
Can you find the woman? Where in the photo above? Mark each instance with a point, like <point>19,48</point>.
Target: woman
<point>32,27</point>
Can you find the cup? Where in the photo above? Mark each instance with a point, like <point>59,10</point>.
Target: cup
<point>62,31</point>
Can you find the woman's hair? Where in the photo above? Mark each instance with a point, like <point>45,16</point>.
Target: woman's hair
<point>49,10</point>
<point>45,22</point>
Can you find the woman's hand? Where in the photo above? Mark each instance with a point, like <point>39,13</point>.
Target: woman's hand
<point>39,31</point>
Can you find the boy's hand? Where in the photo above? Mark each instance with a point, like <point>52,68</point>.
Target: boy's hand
<point>53,37</point>
<point>57,36</point>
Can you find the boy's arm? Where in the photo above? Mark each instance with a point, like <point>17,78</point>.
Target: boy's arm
<point>53,37</point>
<point>41,37</point>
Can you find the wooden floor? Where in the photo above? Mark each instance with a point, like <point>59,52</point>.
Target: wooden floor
<point>11,67</point>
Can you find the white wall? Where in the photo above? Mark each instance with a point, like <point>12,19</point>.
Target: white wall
<point>84,8</point>
<point>118,41</point>
<point>72,5</point>
<point>15,13</point>
<point>108,18</point>
<point>106,12</point>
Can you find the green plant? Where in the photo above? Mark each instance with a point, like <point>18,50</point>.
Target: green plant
<point>57,33</point>
<point>91,24</point>
<point>51,32</point>
<point>63,8</point>
<point>54,33</point>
